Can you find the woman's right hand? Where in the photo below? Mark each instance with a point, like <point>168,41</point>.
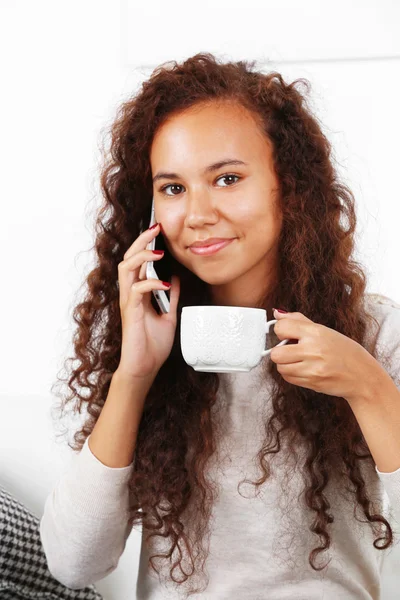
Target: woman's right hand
<point>147,337</point>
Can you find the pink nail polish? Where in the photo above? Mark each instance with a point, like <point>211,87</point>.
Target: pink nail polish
<point>281,310</point>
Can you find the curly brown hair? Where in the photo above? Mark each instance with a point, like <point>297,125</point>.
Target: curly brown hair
<point>317,276</point>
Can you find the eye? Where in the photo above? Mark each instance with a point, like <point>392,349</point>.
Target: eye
<point>177,185</point>
<point>172,185</point>
<point>226,177</point>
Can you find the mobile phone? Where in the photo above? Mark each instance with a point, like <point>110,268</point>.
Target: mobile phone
<point>160,295</point>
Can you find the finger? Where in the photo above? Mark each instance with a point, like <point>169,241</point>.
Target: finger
<point>142,272</point>
<point>292,329</point>
<point>142,241</point>
<point>173,298</point>
<point>294,371</point>
<point>287,354</point>
<point>128,270</point>
<point>291,315</point>
<point>141,288</point>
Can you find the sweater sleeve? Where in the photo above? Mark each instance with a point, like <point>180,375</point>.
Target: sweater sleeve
<point>85,526</point>
<point>389,341</point>
<point>391,484</point>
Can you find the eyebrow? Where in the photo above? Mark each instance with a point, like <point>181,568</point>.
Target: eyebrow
<point>209,169</point>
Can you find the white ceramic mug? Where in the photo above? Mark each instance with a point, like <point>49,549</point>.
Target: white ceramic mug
<point>224,339</point>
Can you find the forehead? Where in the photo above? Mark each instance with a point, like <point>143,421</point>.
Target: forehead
<point>220,128</point>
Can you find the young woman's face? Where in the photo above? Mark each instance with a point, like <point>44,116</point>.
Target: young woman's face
<point>236,201</point>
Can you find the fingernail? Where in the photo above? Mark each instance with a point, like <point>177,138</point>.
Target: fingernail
<point>281,310</point>
<point>153,226</point>
<point>166,283</point>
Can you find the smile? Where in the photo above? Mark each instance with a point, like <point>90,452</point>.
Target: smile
<point>206,250</point>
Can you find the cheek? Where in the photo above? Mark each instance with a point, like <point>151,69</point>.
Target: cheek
<point>168,245</point>
<point>172,216</point>
<point>170,224</point>
<point>241,213</point>
<point>173,237</point>
<point>261,236</point>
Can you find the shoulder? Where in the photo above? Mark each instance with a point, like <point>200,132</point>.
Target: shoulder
<point>385,331</point>
<point>387,312</point>
<point>381,300</point>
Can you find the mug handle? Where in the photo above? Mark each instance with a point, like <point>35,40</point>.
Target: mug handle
<point>267,328</point>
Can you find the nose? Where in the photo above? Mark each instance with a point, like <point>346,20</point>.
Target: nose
<point>200,209</point>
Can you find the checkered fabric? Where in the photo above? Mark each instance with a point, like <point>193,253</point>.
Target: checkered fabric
<point>23,567</point>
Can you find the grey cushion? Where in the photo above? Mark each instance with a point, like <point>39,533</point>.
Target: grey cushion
<point>23,567</point>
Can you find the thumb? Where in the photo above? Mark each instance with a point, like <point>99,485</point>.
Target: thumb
<point>277,314</point>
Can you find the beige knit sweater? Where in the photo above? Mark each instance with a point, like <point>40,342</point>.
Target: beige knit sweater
<point>259,545</point>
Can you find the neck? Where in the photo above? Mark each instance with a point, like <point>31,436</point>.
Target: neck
<point>244,292</point>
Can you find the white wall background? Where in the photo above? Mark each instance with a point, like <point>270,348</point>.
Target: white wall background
<point>66,66</point>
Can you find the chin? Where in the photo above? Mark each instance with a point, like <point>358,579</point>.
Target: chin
<point>217,279</point>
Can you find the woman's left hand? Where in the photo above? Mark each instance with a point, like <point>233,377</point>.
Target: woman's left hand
<point>323,360</point>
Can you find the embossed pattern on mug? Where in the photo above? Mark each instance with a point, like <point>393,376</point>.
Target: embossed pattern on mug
<point>219,340</point>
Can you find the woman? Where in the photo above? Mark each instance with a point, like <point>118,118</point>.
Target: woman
<point>268,484</point>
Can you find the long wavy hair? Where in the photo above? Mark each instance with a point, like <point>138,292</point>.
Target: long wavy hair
<point>316,276</point>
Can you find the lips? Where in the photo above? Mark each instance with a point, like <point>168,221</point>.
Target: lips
<point>212,248</point>
<point>208,242</point>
